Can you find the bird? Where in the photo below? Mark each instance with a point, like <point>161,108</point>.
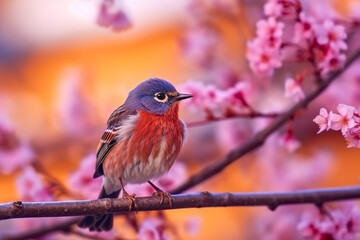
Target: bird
<point>141,142</point>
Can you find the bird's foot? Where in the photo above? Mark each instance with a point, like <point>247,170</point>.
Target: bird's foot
<point>161,194</point>
<point>131,198</point>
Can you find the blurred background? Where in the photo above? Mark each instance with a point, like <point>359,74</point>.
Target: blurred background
<point>63,71</point>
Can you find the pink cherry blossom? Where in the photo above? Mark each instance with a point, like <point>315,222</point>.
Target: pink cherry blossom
<point>352,137</point>
<point>316,230</point>
<point>111,14</point>
<point>263,52</point>
<point>331,62</point>
<point>214,102</point>
<point>344,120</point>
<point>293,90</point>
<point>263,60</point>
<point>74,106</point>
<point>14,152</point>
<point>348,121</point>
<point>18,226</point>
<point>347,216</point>
<point>340,222</point>
<point>276,225</point>
<point>281,8</point>
<point>289,142</point>
<point>323,120</point>
<point>31,188</point>
<point>273,8</point>
<point>200,44</point>
<point>269,28</point>
<point>235,98</point>
<point>152,229</point>
<point>331,34</point>
<point>81,181</point>
<point>303,29</point>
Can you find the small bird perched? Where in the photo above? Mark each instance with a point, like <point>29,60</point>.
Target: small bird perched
<point>141,142</point>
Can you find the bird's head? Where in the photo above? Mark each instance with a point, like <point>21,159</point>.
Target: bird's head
<point>154,95</point>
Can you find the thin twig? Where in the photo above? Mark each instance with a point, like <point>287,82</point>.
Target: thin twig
<point>180,201</point>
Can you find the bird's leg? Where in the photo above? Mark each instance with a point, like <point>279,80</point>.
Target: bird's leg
<point>130,197</point>
<point>161,194</point>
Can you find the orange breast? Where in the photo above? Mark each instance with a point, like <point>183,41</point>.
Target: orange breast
<point>151,149</point>
<point>151,129</point>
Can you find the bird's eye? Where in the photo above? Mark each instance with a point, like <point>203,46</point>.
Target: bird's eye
<point>161,97</point>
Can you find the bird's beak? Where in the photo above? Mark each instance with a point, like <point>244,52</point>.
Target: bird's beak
<point>182,96</point>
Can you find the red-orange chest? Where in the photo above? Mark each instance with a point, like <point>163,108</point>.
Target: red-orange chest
<point>157,136</point>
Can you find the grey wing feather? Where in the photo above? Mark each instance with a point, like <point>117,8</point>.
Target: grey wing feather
<point>108,139</point>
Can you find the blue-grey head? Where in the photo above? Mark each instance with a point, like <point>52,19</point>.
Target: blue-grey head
<point>154,95</point>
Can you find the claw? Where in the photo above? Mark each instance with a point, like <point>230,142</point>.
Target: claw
<point>131,198</point>
<point>161,194</point>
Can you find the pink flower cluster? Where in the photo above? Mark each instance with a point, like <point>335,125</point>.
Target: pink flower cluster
<point>337,221</point>
<point>74,107</point>
<point>263,53</point>
<point>326,41</point>
<point>158,228</point>
<point>347,120</point>
<point>81,181</point>
<point>282,8</point>
<point>111,14</point>
<point>153,229</point>
<point>293,89</point>
<point>341,223</point>
<point>31,187</point>
<point>199,44</point>
<point>320,41</point>
<point>217,103</point>
<point>14,152</point>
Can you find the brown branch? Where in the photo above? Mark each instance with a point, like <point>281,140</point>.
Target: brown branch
<point>258,139</point>
<point>193,200</point>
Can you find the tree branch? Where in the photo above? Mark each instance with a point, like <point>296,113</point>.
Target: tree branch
<point>194,200</point>
<point>258,139</point>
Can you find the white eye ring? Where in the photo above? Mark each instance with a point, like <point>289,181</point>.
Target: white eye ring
<point>161,97</point>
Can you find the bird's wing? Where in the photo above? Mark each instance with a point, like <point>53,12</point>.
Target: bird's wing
<point>109,138</point>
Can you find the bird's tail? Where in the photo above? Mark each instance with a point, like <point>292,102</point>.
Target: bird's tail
<point>100,222</point>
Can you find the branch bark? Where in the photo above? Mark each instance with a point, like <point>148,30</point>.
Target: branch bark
<point>195,200</point>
